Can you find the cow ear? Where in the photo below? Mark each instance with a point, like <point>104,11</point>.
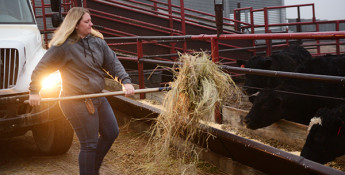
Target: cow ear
<point>240,62</point>
<point>268,62</point>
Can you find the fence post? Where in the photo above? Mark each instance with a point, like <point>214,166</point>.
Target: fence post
<point>171,26</point>
<point>171,22</point>
<point>235,18</point>
<point>318,48</point>
<point>252,28</point>
<point>141,78</point>
<point>218,10</point>
<point>214,50</point>
<point>337,40</point>
<point>183,24</point>
<point>238,17</point>
<point>44,23</point>
<point>215,58</point>
<point>268,42</point>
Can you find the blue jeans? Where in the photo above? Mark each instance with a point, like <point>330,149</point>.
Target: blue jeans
<point>96,132</point>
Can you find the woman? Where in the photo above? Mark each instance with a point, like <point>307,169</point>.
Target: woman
<point>82,56</point>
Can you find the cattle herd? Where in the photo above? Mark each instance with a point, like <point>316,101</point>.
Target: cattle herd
<point>299,100</point>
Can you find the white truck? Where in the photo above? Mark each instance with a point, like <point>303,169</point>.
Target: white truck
<point>20,50</point>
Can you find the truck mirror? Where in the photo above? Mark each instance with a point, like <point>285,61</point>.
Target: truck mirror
<point>55,5</point>
<point>56,20</point>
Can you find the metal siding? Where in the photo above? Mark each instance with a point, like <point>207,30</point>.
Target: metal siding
<point>203,6</point>
<point>312,28</point>
<point>274,16</point>
<point>207,6</point>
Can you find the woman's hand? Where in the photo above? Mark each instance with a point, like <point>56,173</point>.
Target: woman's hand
<point>129,89</point>
<point>34,99</point>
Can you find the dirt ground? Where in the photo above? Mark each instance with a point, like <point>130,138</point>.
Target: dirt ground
<point>20,156</point>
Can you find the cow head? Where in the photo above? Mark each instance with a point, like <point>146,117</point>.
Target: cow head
<point>326,138</point>
<point>241,63</point>
<point>267,109</point>
<point>253,83</point>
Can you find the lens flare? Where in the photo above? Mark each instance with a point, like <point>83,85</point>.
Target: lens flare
<point>52,81</point>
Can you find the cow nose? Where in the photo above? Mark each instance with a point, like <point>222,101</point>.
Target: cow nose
<point>246,120</point>
<point>252,99</point>
<point>249,124</point>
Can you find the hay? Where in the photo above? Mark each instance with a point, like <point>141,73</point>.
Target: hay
<point>199,87</point>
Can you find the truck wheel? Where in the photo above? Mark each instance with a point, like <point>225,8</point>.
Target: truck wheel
<point>53,138</point>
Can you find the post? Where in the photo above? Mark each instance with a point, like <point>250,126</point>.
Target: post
<point>337,40</point>
<point>318,48</point>
<point>140,67</point>
<point>171,26</point>
<point>298,20</point>
<point>252,28</point>
<point>214,50</point>
<point>215,58</point>
<point>183,24</point>
<point>44,23</point>
<point>218,10</point>
<point>268,42</point>
<point>237,16</point>
<point>171,22</point>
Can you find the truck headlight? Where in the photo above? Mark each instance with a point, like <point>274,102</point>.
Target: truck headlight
<point>52,81</point>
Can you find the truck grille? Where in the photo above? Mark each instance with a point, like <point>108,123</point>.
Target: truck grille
<point>8,67</point>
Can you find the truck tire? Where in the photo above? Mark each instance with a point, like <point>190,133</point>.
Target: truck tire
<point>53,138</point>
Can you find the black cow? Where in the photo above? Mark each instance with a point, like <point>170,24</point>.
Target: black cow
<point>326,137</point>
<point>286,60</point>
<point>298,53</point>
<point>274,104</point>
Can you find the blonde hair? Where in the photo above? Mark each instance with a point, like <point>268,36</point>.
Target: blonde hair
<point>67,27</point>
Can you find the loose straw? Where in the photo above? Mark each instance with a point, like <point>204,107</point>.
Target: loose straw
<point>199,87</point>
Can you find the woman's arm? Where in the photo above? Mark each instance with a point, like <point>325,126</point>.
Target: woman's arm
<point>51,61</point>
<point>113,66</point>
